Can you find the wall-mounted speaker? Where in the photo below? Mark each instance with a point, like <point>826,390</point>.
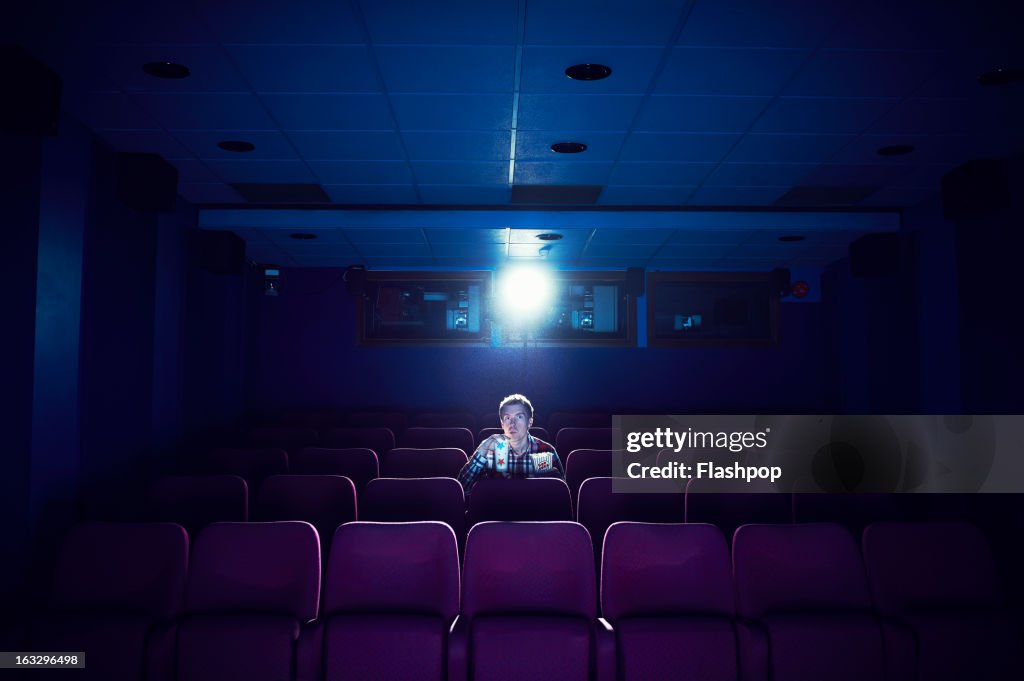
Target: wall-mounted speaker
<point>875,255</point>
<point>147,183</point>
<point>31,94</point>
<point>635,281</point>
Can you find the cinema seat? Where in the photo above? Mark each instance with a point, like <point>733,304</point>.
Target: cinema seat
<point>253,465</point>
<point>939,580</point>
<point>441,462</point>
<point>570,439</point>
<point>523,500</point>
<point>540,433</point>
<point>395,421</point>
<point>529,606</point>
<point>730,503</point>
<point>803,591</point>
<point>667,591</point>
<point>583,464</point>
<point>591,419</point>
<point>414,499</point>
<point>444,419</point>
<point>380,440</point>
<point>196,501</point>
<point>431,438</point>
<point>324,501</point>
<point>598,506</point>
<point>854,511</point>
<point>391,596</point>
<point>251,587</point>
<point>116,589</point>
<point>358,464</point>
<point>290,439</point>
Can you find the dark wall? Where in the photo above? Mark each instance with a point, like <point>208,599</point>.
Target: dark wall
<point>308,356</point>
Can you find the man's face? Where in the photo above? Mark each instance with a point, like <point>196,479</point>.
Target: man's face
<point>515,421</point>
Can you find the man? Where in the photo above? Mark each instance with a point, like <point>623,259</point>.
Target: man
<point>516,454</point>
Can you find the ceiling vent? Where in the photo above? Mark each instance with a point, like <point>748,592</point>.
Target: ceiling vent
<point>818,197</point>
<point>556,195</point>
<point>282,193</point>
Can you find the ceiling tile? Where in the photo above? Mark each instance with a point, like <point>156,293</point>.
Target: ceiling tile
<point>310,22</point>
<point>858,73</point>
<point>453,111</point>
<point>461,172</point>
<point>759,174</point>
<point>688,148</point>
<point>364,235</point>
<point>341,145</point>
<point>736,196</point>
<point>270,144</point>
<point>544,67</point>
<point>560,172</point>
<point>464,194</point>
<point>379,194</point>
<point>454,235</point>
<point>695,113</point>
<point>454,21</point>
<point>727,71</point>
<point>307,68</point>
<point>211,69</point>
<point>147,142</point>
<point>758,147</point>
<point>529,236</point>
<point>579,112</point>
<point>822,114</point>
<point>635,235</point>
<point>625,250</point>
<point>447,68</point>
<point>740,23</point>
<point>462,145</point>
<point>329,111</point>
<point>361,172</point>
<point>660,173</point>
<point>535,145</point>
<point>584,22</point>
<point>216,111</point>
<point>259,171</point>
<point>619,195</point>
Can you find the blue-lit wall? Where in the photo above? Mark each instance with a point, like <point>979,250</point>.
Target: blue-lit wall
<point>308,356</point>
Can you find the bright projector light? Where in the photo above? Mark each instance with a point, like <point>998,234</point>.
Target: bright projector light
<point>524,291</point>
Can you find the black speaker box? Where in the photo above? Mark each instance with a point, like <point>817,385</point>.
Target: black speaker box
<point>31,94</point>
<point>875,255</point>
<point>635,281</point>
<point>976,188</point>
<point>147,183</point>
<point>219,252</point>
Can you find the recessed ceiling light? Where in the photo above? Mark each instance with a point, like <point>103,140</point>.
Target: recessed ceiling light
<point>239,146</point>
<point>588,72</point>
<point>895,150</point>
<point>302,236</point>
<point>1001,77</point>
<point>789,238</point>
<point>568,147</point>
<point>166,69</point>
<point>549,236</point>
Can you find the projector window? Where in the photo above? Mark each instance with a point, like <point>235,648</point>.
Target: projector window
<point>712,308</point>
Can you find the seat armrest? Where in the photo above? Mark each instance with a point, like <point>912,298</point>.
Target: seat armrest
<point>458,650</point>
<point>605,659</point>
<point>309,651</point>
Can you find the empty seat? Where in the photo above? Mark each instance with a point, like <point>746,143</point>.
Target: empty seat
<point>251,587</point>
<point>939,579</point>
<point>591,419</point>
<point>598,506</point>
<point>116,588</point>
<point>528,606</point>
<point>582,464</point>
<point>570,439</point>
<point>311,418</point>
<point>395,421</point>
<point>358,464</point>
<point>196,501</point>
<point>412,499</point>
<point>324,501</point>
<point>805,588</point>
<point>444,419</point>
<point>392,592</point>
<point>290,439</point>
<point>854,511</point>
<point>728,503</point>
<point>527,499</point>
<point>667,590</point>
<point>442,462</point>
<point>380,440</point>
<point>485,433</point>
<point>430,438</point>
<point>251,464</point>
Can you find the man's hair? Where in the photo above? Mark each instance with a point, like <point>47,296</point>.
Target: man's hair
<point>516,399</point>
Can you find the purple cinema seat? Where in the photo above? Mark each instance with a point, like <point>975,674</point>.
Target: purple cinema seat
<point>409,462</point>
<point>290,439</point>
<point>570,439</point>
<point>251,464</point>
<point>397,500</point>
<point>116,589</point>
<point>391,596</point>
<point>444,419</point>
<point>529,606</point>
<point>395,421</point>
<point>803,594</point>
<point>853,510</point>
<point>380,440</point>
<point>591,419</point>
<point>939,580</point>
<point>484,433</point>
<point>324,501</point>
<point>729,503</point>
<point>667,591</point>
<point>432,438</point>
<point>598,507</point>
<point>583,464</point>
<point>358,464</point>
<point>522,500</point>
<point>251,587</point>
<point>196,501</point>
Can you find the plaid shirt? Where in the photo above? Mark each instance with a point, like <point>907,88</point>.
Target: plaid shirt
<point>494,459</point>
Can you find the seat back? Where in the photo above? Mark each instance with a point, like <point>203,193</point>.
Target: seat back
<point>395,421</point>
<point>522,500</point>
<point>291,439</point>
<point>441,462</point>
<point>380,440</point>
<point>416,499</point>
<point>196,501</point>
<point>564,419</point>
<point>358,464</point>
<point>582,464</point>
<point>253,465</point>
<point>444,419</point>
<point>730,503</point>
<point>431,438</point>
<point>324,501</point>
<point>570,439</point>
<point>853,510</point>
<point>537,432</point>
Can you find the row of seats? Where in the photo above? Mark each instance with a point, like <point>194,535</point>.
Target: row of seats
<point>398,421</point>
<point>383,440</point>
<point>796,602</point>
